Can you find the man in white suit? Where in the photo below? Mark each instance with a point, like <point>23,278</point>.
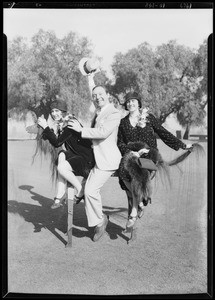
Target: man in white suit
<point>103,134</point>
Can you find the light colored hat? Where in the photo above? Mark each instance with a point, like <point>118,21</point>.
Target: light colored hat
<point>88,65</point>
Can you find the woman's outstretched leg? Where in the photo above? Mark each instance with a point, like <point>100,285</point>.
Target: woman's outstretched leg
<point>132,209</point>
<point>130,201</point>
<point>65,170</point>
<point>61,186</point>
<point>134,203</point>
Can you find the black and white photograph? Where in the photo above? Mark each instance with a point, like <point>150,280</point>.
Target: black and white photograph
<point>108,138</point>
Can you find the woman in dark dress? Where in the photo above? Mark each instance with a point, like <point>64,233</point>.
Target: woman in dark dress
<point>136,136</point>
<point>76,159</point>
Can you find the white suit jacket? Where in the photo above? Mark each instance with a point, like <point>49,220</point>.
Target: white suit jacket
<point>104,138</point>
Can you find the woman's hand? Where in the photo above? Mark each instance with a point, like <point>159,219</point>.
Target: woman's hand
<point>188,147</point>
<point>75,125</point>
<point>140,152</point>
<point>135,153</point>
<point>42,122</point>
<point>143,151</point>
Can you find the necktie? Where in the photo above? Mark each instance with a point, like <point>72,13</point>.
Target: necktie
<point>94,119</point>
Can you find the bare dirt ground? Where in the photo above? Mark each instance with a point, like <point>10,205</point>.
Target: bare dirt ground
<point>168,257</point>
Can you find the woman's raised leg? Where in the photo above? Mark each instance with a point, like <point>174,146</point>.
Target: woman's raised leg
<point>65,170</point>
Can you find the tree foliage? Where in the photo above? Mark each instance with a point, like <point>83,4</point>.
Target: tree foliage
<point>45,70</point>
<point>170,79</point>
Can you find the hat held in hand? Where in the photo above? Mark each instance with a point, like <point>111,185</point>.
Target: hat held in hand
<point>88,66</point>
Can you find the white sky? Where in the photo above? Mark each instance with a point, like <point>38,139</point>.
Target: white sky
<point>114,30</point>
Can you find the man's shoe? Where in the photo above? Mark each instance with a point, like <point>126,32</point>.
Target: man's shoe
<point>100,230</point>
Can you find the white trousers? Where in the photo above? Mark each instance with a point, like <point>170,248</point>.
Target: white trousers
<point>93,202</point>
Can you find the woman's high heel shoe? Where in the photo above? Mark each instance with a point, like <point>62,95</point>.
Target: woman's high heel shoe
<point>140,211</point>
<point>147,201</point>
<point>59,201</point>
<point>130,223</point>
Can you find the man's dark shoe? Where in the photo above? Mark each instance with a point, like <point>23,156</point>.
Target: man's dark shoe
<point>100,230</point>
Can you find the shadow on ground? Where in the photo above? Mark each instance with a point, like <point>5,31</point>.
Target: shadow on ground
<point>42,216</point>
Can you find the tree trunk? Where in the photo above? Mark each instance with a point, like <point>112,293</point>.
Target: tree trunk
<point>187,131</point>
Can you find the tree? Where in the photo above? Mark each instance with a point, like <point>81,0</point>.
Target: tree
<point>132,71</point>
<point>192,112</point>
<point>24,88</point>
<point>45,70</point>
<point>170,79</point>
<point>16,49</point>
